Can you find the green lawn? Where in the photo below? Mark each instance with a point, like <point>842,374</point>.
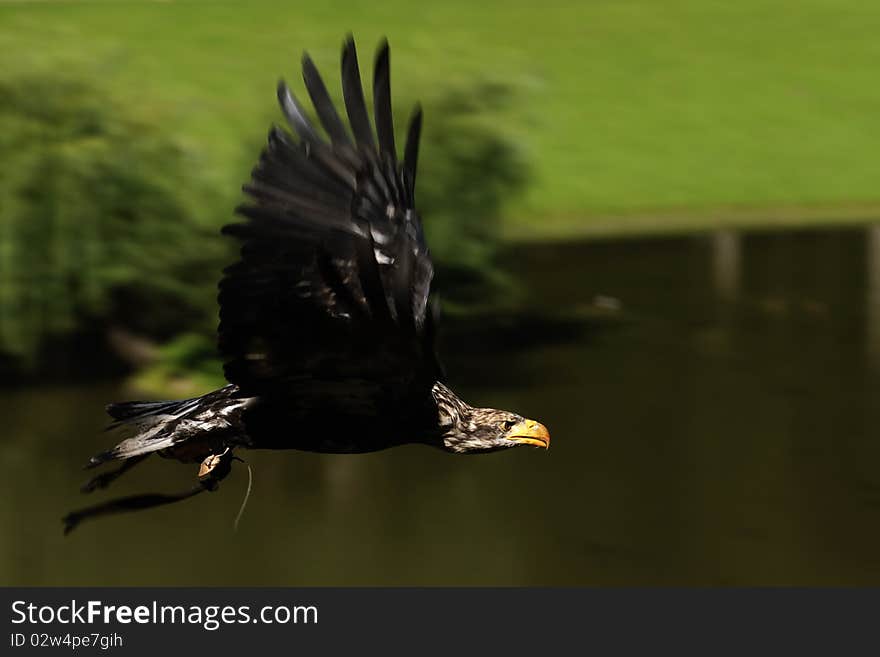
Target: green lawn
<point>636,115</point>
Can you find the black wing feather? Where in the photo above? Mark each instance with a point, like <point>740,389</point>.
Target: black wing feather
<point>353,93</point>
<point>411,153</point>
<point>323,104</point>
<point>295,114</point>
<point>327,306</point>
<point>382,103</point>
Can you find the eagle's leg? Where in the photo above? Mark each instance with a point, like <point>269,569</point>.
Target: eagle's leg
<point>215,469</point>
<point>212,471</point>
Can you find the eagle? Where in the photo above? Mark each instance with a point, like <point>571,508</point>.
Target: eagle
<point>327,320</point>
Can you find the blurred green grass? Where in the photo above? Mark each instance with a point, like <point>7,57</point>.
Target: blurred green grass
<point>636,116</point>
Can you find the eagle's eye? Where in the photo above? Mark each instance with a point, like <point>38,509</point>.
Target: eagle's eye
<point>507,425</point>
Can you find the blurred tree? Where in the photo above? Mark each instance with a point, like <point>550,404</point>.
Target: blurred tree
<point>468,172</point>
<point>105,220</point>
<point>96,222</point>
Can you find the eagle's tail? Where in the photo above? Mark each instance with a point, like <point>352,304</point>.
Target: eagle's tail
<point>200,429</point>
<point>152,426</point>
<point>126,412</point>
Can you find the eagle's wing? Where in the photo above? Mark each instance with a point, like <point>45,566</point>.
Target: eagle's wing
<point>331,292</point>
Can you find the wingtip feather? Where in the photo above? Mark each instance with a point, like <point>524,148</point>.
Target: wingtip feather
<point>324,106</point>
<point>411,150</point>
<point>382,101</point>
<point>353,95</point>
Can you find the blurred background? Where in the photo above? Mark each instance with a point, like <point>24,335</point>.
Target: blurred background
<point>654,228</point>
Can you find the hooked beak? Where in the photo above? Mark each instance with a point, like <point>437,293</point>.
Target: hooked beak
<point>529,432</point>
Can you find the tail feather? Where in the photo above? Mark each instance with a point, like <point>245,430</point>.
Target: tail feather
<point>155,425</point>
<point>127,412</point>
<point>151,424</point>
<point>143,443</point>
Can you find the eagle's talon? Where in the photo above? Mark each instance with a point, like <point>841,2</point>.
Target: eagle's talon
<point>215,469</point>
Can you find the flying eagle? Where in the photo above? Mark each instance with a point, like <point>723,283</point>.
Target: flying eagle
<point>327,325</point>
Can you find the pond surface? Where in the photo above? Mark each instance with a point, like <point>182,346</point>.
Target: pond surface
<point>714,422</point>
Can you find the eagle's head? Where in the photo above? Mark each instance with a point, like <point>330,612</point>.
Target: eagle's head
<point>464,429</point>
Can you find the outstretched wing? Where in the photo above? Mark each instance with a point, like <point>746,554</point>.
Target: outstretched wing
<point>330,297</point>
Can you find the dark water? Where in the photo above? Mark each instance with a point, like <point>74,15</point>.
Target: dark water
<point>714,422</point>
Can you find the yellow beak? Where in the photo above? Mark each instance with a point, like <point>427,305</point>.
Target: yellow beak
<point>529,432</point>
